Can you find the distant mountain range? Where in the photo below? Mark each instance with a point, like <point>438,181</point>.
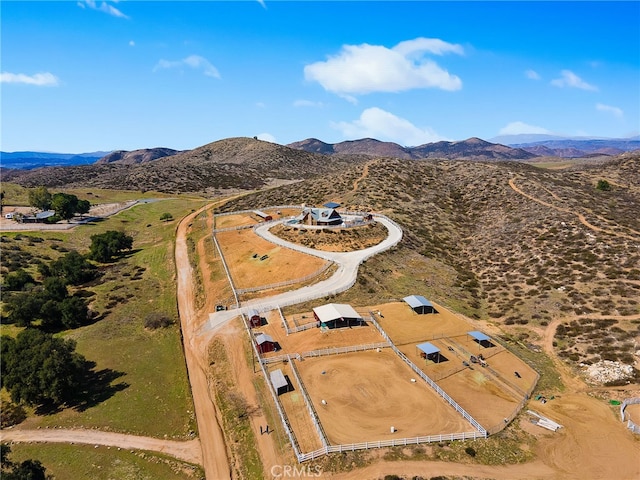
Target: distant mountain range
<point>507,147</point>
<point>28,160</point>
<point>472,148</point>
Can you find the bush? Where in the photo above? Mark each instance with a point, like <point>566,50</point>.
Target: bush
<point>157,320</point>
<point>11,414</point>
<point>470,451</point>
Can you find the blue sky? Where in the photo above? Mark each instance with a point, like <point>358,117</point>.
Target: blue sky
<point>81,76</point>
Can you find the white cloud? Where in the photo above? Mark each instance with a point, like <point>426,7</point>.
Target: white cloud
<point>267,137</point>
<point>382,125</point>
<point>516,128</point>
<point>307,103</point>
<point>615,111</point>
<point>192,61</point>
<point>39,79</point>
<point>362,69</point>
<point>532,75</point>
<point>103,7</point>
<point>570,79</point>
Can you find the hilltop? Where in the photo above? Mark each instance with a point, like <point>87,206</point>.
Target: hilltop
<point>470,149</point>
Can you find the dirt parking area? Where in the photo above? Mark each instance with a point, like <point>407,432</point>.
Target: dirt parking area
<point>368,392</point>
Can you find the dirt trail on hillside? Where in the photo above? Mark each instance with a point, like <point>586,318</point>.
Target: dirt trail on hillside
<point>580,216</point>
<point>365,174</point>
<point>189,451</point>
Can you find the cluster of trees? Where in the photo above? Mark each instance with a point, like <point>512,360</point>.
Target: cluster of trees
<point>50,302</point>
<point>65,205</point>
<point>27,470</point>
<point>40,369</point>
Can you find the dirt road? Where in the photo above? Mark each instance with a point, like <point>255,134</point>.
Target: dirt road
<point>189,451</point>
<point>214,452</point>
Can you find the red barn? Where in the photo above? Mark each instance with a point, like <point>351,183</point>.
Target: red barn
<point>265,343</point>
<point>254,318</point>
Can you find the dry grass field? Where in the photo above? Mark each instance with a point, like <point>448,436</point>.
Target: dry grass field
<point>281,264</point>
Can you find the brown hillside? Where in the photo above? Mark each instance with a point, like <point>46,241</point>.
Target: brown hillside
<point>521,244</point>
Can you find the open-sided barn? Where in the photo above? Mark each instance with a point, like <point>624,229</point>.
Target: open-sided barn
<point>337,315</point>
<point>419,304</point>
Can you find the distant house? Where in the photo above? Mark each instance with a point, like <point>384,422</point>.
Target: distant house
<point>254,318</point>
<point>39,217</point>
<point>265,343</point>
<point>419,304</point>
<point>336,315</point>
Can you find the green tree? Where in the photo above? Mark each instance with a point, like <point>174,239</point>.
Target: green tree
<point>18,280</point>
<point>107,245</point>
<point>65,205</point>
<point>24,308</point>
<point>26,470</point>
<point>166,217</point>
<point>83,207</point>
<point>38,368</point>
<point>73,312</point>
<point>40,197</point>
<point>603,185</point>
<point>73,267</point>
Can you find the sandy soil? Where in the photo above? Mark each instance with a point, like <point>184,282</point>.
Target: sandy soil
<point>368,392</point>
<point>282,264</point>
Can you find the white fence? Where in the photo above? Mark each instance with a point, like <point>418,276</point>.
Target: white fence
<point>226,268</point>
<point>338,350</point>
<point>310,408</point>
<point>350,447</point>
<point>285,283</point>
<point>630,424</point>
<point>430,382</point>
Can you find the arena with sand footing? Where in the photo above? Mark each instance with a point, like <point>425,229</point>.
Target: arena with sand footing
<point>360,396</point>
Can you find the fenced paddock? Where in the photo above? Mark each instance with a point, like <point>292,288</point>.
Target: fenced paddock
<point>368,392</point>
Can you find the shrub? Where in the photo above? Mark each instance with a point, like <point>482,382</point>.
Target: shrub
<point>156,320</point>
<point>470,451</point>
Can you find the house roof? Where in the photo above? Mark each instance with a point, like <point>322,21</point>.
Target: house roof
<point>479,336</point>
<point>252,312</point>
<point>324,214</point>
<point>277,379</point>
<point>416,301</point>
<point>263,338</point>
<point>335,311</point>
<point>332,205</point>
<point>428,348</point>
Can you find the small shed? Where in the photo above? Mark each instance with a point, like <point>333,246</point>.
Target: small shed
<point>264,216</point>
<point>254,318</point>
<point>419,304</point>
<point>265,343</point>
<point>481,339</point>
<point>337,315</point>
<point>280,382</point>
<point>429,351</point>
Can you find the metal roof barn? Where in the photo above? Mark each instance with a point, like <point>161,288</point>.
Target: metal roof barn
<point>419,304</point>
